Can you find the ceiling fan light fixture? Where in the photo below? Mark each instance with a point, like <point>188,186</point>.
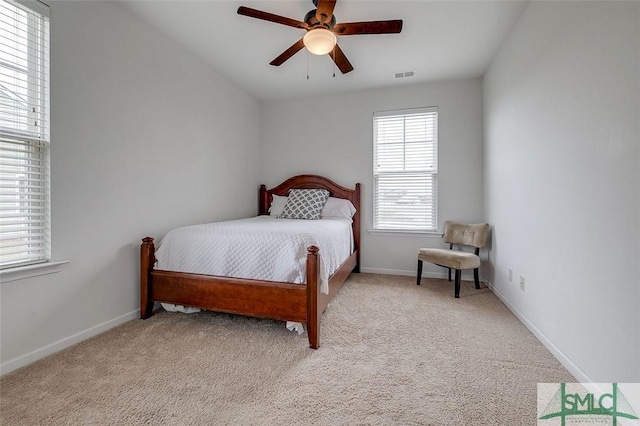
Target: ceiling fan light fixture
<point>319,41</point>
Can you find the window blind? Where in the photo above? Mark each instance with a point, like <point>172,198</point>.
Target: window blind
<point>24,133</point>
<point>405,169</point>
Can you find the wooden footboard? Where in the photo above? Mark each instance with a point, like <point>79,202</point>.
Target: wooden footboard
<point>256,298</point>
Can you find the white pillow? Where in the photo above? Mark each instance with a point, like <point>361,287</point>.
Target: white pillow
<point>335,207</point>
<point>277,205</point>
<point>338,207</point>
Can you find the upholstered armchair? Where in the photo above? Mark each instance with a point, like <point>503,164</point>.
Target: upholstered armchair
<point>458,235</point>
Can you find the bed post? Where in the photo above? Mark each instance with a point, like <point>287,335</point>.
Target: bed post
<point>313,290</point>
<point>356,226</point>
<point>263,200</point>
<point>147,260</point>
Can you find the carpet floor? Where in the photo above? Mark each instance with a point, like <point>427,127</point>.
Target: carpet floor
<point>392,353</point>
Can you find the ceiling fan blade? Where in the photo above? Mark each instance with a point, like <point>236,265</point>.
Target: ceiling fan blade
<point>266,16</point>
<point>372,27</point>
<point>341,60</point>
<point>295,48</point>
<point>324,11</point>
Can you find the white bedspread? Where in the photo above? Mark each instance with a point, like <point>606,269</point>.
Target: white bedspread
<point>262,248</point>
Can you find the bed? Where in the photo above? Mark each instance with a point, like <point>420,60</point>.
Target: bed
<point>278,300</point>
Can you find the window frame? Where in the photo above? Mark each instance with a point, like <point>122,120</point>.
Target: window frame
<point>419,172</point>
<point>25,30</point>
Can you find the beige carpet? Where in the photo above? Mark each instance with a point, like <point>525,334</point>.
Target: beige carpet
<point>392,353</point>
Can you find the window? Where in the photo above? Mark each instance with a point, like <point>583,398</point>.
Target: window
<point>24,133</point>
<point>405,169</point>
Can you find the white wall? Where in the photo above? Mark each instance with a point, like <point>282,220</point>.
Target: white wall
<point>333,135</point>
<point>144,138</point>
<point>562,108</point>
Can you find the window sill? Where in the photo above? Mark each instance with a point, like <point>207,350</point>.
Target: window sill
<point>408,233</point>
<point>24,272</point>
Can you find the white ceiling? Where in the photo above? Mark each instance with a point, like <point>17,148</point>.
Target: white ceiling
<point>440,40</point>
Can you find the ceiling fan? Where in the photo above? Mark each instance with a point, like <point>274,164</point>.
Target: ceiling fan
<point>322,31</point>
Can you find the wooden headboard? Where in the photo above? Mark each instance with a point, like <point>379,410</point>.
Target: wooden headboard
<point>312,182</point>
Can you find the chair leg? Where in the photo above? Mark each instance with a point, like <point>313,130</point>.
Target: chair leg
<point>476,279</point>
<point>457,290</point>
<point>449,273</point>
<point>419,272</point>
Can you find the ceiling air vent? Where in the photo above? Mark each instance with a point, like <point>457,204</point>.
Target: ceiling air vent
<point>404,74</point>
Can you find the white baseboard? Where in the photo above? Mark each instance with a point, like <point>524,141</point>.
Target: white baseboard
<point>61,344</point>
<point>555,351</point>
<point>33,356</point>
<point>425,274</point>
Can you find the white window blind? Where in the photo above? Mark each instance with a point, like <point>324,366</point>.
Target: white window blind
<point>24,133</point>
<point>405,169</point>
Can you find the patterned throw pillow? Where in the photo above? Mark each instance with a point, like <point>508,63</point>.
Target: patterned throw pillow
<point>305,203</point>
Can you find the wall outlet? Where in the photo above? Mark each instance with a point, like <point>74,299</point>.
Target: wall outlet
<point>510,275</point>
<point>521,282</point>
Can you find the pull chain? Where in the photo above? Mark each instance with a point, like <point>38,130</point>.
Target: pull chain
<point>334,62</point>
<point>307,65</point>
